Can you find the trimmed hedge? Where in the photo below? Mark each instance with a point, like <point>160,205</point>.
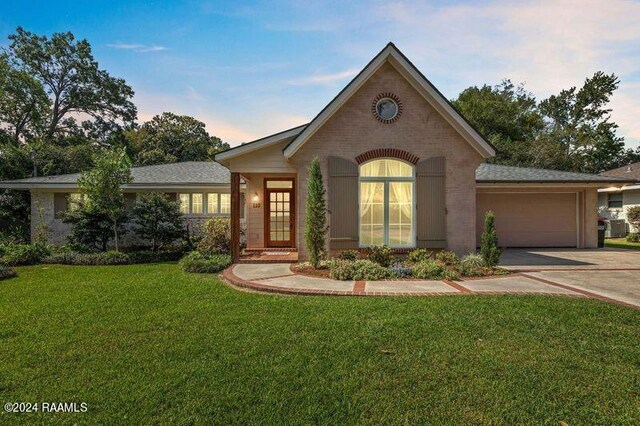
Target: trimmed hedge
<point>23,254</point>
<point>111,258</point>
<point>6,272</point>
<point>199,263</point>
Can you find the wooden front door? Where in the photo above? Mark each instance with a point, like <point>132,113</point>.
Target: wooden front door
<point>279,211</point>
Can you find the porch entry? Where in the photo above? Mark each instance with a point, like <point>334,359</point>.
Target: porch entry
<point>279,212</point>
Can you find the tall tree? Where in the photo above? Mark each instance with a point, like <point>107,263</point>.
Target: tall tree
<point>102,187</point>
<point>579,120</point>
<point>73,80</point>
<point>507,115</point>
<point>168,138</point>
<point>24,104</point>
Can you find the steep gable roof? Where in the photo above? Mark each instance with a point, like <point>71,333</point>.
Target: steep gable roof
<point>264,142</point>
<point>400,62</point>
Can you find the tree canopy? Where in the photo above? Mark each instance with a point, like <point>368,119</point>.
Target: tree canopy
<point>71,77</point>
<point>168,138</point>
<point>570,131</point>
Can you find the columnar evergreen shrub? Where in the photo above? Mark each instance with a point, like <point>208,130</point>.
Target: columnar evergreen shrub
<point>316,216</point>
<point>489,249</point>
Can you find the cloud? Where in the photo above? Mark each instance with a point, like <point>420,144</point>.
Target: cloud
<point>324,79</point>
<point>139,48</point>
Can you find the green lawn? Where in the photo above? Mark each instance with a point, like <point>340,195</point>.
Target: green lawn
<point>621,243</point>
<point>151,344</point>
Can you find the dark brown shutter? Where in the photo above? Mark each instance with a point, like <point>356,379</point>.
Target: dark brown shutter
<point>343,204</point>
<point>430,191</point>
<point>60,203</point>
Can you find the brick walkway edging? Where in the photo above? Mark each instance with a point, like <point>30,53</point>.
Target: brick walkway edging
<point>359,289</point>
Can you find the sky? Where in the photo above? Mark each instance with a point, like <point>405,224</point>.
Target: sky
<point>249,69</point>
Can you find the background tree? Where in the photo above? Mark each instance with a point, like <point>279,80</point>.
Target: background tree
<point>507,116</point>
<point>24,104</point>
<point>157,219</point>
<point>168,138</point>
<point>570,131</point>
<point>73,80</point>
<point>579,120</point>
<point>316,216</point>
<point>102,187</point>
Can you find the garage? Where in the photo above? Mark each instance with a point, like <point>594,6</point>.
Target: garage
<point>531,219</point>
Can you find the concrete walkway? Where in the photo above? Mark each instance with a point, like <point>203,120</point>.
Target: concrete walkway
<point>623,288</point>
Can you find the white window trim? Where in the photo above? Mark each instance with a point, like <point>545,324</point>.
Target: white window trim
<point>385,180</point>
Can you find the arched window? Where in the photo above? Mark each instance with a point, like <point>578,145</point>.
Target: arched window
<point>386,203</point>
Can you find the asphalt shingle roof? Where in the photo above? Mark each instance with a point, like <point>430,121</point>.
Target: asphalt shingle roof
<point>188,172</point>
<point>632,171</point>
<point>495,173</point>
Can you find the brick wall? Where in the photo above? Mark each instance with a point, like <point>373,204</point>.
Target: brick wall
<point>421,131</point>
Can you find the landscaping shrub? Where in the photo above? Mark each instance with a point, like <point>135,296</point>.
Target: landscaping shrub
<point>110,257</point>
<point>447,257</point>
<point>357,270</point>
<point>633,216</point>
<point>418,255</point>
<point>24,254</point>
<point>472,260</point>
<point>349,255</point>
<point>90,259</point>
<point>633,237</point>
<point>6,272</point>
<point>399,270</point>
<point>204,264</point>
<point>489,247</point>
<point>341,269</point>
<point>450,274</point>
<point>382,255</point>
<point>157,219</point>
<point>216,236</point>
<point>155,257</point>
<point>428,270</point>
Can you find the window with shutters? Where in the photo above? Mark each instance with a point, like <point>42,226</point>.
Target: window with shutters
<point>387,208</point>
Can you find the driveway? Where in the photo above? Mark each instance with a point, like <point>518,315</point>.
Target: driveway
<point>606,273</point>
<point>575,259</point>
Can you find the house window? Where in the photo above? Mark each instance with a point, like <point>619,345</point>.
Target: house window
<point>225,203</point>
<point>184,203</point>
<point>614,201</point>
<point>212,203</point>
<point>197,204</point>
<point>386,203</point>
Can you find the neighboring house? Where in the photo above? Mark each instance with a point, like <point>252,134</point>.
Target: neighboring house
<point>402,167</point>
<point>613,202</point>
<point>201,187</point>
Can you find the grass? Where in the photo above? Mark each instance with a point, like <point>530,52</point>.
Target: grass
<point>621,243</point>
<point>151,344</point>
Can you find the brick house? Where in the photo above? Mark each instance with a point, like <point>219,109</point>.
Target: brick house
<point>401,167</point>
